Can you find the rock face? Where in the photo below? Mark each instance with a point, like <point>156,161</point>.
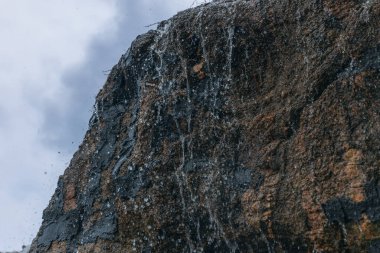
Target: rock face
<point>236,126</point>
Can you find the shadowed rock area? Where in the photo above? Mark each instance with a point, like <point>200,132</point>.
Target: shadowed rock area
<point>236,126</point>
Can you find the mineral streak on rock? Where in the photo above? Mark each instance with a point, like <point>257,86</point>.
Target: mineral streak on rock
<point>236,126</point>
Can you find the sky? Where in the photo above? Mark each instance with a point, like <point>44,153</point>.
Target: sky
<point>53,55</point>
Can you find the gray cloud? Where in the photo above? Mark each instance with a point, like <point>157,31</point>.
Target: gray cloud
<point>65,129</point>
<point>45,105</point>
<point>40,40</point>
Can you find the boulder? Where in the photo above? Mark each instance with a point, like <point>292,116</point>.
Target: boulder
<point>235,126</point>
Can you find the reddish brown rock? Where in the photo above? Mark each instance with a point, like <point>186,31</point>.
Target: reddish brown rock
<point>236,126</point>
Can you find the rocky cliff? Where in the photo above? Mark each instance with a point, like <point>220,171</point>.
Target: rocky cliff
<point>236,126</point>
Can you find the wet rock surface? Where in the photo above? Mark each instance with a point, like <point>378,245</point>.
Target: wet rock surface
<point>236,126</point>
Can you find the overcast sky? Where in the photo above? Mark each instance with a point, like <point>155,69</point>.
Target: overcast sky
<point>52,57</point>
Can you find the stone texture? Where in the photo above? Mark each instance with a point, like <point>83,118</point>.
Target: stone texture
<point>236,126</point>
